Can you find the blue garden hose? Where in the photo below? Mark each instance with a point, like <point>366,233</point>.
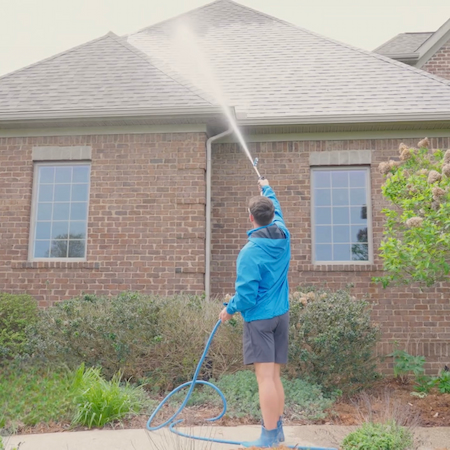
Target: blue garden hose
<point>172,422</point>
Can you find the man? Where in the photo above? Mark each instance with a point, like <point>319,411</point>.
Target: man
<point>262,297</point>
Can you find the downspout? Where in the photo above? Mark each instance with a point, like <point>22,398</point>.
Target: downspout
<point>209,143</point>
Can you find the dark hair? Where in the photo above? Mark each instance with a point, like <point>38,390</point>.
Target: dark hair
<point>262,209</point>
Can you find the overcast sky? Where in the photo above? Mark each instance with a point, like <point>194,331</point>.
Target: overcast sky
<point>31,30</point>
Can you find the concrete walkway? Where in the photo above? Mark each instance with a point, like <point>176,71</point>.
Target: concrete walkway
<point>303,436</point>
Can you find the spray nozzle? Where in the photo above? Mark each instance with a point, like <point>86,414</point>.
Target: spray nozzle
<point>255,162</point>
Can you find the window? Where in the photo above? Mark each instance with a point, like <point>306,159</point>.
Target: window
<point>341,215</point>
<point>60,209</point>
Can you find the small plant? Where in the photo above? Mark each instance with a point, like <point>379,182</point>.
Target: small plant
<point>404,364</point>
<point>379,436</point>
<point>424,384</point>
<point>443,382</point>
<point>99,402</point>
<point>16,313</point>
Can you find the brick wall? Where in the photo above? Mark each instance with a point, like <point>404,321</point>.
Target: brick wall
<point>420,321</point>
<point>439,64</point>
<point>146,217</point>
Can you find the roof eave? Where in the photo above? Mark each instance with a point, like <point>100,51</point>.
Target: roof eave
<point>342,119</point>
<point>407,58</point>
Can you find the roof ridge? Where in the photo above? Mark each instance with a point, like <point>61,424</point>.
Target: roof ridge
<point>351,47</point>
<point>143,55</point>
<point>58,54</point>
<point>176,17</point>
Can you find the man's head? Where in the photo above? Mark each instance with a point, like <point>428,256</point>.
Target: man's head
<point>262,210</point>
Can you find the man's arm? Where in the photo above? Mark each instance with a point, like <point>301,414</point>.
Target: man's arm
<point>268,192</point>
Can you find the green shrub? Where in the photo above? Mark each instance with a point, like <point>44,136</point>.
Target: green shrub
<point>153,339</point>
<point>16,313</point>
<point>404,364</point>
<point>379,436</point>
<point>303,400</point>
<point>99,402</point>
<point>332,340</point>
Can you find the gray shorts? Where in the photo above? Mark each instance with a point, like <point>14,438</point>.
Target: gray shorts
<point>266,340</point>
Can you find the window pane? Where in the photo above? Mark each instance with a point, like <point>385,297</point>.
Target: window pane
<point>357,178</point>
<point>46,174</point>
<point>78,211</point>
<point>43,230</point>
<point>77,230</point>
<point>358,196</point>
<point>61,211</point>
<point>44,211</point>
<point>360,252</point>
<point>59,249</point>
<point>323,235</point>
<point>41,249</point>
<point>63,175</point>
<point>340,215</point>
<point>62,193</point>
<point>322,197</point>
<point>80,192</point>
<point>321,179</point>
<point>340,197</point>
<point>358,215</point>
<point>359,234</point>
<point>341,233</point>
<point>339,178</point>
<point>45,193</point>
<point>81,174</point>
<point>323,252</point>
<point>60,230</point>
<point>323,216</point>
<point>76,249</point>
<point>341,252</point>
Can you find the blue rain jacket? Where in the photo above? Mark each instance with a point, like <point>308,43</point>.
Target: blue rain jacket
<point>262,290</point>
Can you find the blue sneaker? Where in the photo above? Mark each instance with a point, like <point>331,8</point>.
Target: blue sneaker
<point>268,439</point>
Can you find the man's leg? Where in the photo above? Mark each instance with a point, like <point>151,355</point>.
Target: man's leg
<point>279,388</point>
<point>269,393</point>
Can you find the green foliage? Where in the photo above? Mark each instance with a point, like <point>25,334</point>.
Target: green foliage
<point>152,339</point>
<point>416,243</point>
<point>424,384</point>
<point>16,313</point>
<point>31,395</point>
<point>379,436</point>
<point>404,364</point>
<point>332,340</point>
<point>443,383</point>
<point>303,400</point>
<point>99,402</point>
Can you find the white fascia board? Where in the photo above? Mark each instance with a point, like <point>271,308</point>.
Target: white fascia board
<point>114,113</point>
<point>433,44</point>
<point>337,119</point>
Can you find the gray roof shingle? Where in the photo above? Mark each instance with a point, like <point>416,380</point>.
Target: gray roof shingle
<point>270,68</point>
<point>403,43</point>
<point>103,74</point>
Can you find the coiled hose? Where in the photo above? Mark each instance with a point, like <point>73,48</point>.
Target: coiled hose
<point>172,422</point>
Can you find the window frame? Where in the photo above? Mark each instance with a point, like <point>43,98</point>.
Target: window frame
<point>37,165</point>
<point>367,169</point>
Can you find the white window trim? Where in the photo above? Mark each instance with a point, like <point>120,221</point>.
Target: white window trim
<point>369,217</point>
<point>31,258</point>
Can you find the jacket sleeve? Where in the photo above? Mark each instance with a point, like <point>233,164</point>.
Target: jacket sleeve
<point>269,193</point>
<point>247,283</point>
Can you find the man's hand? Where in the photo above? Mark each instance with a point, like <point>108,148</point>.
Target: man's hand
<point>224,316</point>
<point>263,182</point>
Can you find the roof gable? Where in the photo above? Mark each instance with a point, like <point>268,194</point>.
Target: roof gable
<point>101,75</point>
<point>272,69</point>
<point>416,48</point>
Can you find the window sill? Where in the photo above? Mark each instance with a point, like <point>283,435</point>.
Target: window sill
<point>337,267</point>
<point>55,265</point>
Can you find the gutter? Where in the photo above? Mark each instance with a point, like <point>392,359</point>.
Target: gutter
<point>107,113</point>
<point>351,118</point>
<point>209,143</point>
